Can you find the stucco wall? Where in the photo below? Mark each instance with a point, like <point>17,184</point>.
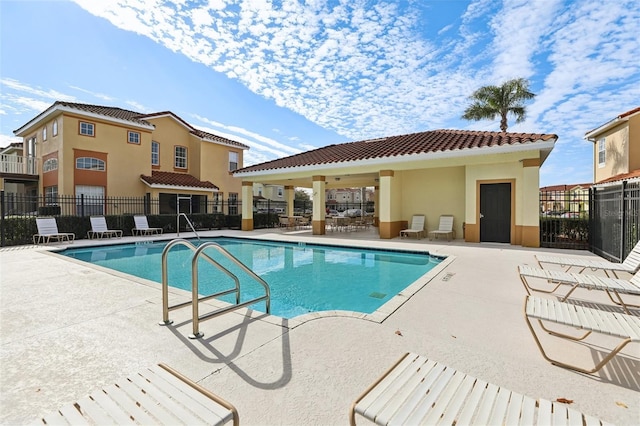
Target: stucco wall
<point>617,153</point>
<point>434,192</point>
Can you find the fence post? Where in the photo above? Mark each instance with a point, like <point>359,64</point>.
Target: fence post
<point>623,224</point>
<point>2,218</point>
<point>81,205</point>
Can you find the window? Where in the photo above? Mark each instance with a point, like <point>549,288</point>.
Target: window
<point>133,137</point>
<point>233,203</point>
<point>44,133</point>
<point>50,165</point>
<point>155,153</point>
<point>89,200</point>
<point>51,195</point>
<point>180,157</point>
<point>54,128</point>
<point>87,129</point>
<point>279,191</point>
<point>602,152</point>
<point>233,161</point>
<point>90,163</point>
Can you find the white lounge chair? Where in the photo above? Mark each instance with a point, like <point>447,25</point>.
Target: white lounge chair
<point>612,286</point>
<point>445,228</point>
<point>48,231</point>
<point>417,390</point>
<point>631,264</point>
<point>416,228</point>
<point>157,395</point>
<point>142,227</point>
<point>99,229</point>
<point>613,324</point>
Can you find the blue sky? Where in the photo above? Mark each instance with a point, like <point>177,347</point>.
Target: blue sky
<point>289,76</point>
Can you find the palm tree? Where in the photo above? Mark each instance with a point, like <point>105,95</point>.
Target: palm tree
<point>491,101</point>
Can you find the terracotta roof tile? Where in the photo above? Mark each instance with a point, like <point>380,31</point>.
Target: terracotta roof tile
<point>113,112</point>
<point>623,176</point>
<point>176,179</point>
<point>402,145</point>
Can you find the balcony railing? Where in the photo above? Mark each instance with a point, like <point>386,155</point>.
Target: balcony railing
<point>18,165</point>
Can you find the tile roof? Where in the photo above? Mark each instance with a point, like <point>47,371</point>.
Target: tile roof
<point>624,176</point>
<point>133,117</point>
<point>113,112</point>
<point>611,123</point>
<point>568,187</point>
<point>403,145</point>
<point>176,179</point>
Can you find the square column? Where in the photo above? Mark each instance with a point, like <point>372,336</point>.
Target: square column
<point>247,206</point>
<point>289,196</point>
<point>319,201</point>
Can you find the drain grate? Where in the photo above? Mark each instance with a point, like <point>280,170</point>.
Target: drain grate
<point>377,295</point>
<point>448,276</point>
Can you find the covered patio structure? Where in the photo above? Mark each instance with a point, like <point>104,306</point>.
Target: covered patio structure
<point>488,181</point>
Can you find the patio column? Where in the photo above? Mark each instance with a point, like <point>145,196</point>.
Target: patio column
<point>390,205</point>
<point>530,208</point>
<point>289,196</point>
<point>247,206</point>
<point>319,201</point>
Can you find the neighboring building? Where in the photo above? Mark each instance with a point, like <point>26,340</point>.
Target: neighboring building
<point>616,146</point>
<point>269,192</point>
<point>489,181</point>
<point>99,151</point>
<point>562,199</point>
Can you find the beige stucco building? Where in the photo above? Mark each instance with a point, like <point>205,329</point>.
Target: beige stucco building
<point>487,180</point>
<point>99,151</point>
<point>616,146</point>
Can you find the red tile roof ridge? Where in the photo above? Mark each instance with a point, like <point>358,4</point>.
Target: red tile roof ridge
<point>176,179</point>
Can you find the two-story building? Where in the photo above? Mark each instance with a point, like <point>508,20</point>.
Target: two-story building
<point>616,147</point>
<point>99,151</point>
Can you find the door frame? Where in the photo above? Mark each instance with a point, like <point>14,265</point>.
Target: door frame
<point>512,238</point>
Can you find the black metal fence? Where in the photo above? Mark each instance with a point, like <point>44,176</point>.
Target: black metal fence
<point>564,219</point>
<point>615,225</point>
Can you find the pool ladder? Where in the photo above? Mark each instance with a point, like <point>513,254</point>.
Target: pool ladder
<point>188,223</point>
<point>195,297</point>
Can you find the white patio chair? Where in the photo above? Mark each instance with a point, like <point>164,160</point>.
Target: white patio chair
<point>631,264</point>
<point>157,395</point>
<point>416,390</point>
<point>142,227</point>
<point>99,229</point>
<point>416,228</point>
<point>48,231</point>
<point>445,228</point>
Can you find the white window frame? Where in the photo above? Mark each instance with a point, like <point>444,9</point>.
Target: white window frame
<point>602,152</point>
<point>50,165</point>
<point>87,129</point>
<point>44,133</point>
<point>180,160</point>
<point>233,161</point>
<point>133,137</point>
<point>90,163</point>
<point>155,153</point>
<point>51,195</point>
<point>54,128</point>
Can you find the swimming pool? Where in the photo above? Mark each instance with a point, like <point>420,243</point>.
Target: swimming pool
<point>303,277</point>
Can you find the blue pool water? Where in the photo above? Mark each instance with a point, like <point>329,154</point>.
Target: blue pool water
<point>303,277</point>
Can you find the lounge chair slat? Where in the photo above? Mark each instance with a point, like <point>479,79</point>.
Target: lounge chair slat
<point>559,414</point>
<point>409,396</point>
<point>452,406</point>
<point>430,393</point>
<point>72,415</point>
<point>528,411</point>
<point>500,407</point>
<point>94,411</point>
<point>172,411</point>
<point>191,398</point>
<point>512,416</point>
<point>120,416</point>
<point>472,403</point>
<point>129,404</point>
<point>486,404</point>
<point>574,418</point>
<point>57,419</point>
<point>544,413</point>
<point>392,383</point>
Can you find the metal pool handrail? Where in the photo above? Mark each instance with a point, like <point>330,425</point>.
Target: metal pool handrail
<point>195,299</point>
<point>188,223</point>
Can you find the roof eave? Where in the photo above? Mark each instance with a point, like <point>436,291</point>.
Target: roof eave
<point>590,135</point>
<point>61,108</point>
<point>178,187</point>
<point>545,147</point>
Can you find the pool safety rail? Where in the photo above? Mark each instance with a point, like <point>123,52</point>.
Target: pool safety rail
<point>188,223</point>
<point>195,298</point>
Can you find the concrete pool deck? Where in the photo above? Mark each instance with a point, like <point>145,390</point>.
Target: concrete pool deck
<point>68,328</point>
